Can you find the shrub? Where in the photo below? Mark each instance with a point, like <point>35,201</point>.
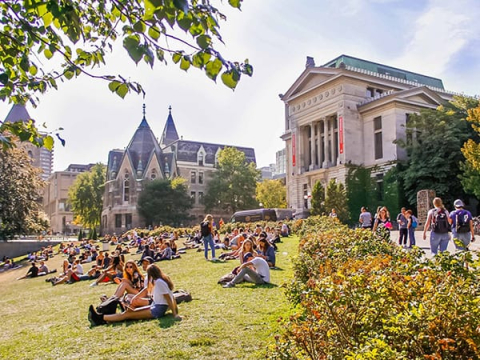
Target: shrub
<point>361,297</point>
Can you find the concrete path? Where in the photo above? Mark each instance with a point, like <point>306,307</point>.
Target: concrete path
<point>425,244</point>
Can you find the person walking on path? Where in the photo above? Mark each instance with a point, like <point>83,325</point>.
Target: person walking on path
<point>365,218</point>
<point>206,228</point>
<point>439,224</point>
<point>462,225</point>
<point>412,224</point>
<point>402,227</point>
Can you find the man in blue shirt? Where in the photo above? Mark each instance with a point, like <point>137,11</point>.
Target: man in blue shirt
<point>462,225</point>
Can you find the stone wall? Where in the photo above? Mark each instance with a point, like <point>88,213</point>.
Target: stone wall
<point>424,203</point>
<point>17,248</point>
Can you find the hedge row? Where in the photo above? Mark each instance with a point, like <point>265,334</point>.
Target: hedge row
<point>358,296</point>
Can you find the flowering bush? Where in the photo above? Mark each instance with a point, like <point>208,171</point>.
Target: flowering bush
<point>361,297</point>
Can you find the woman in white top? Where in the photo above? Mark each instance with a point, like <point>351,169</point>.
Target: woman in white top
<point>438,222</point>
<point>162,301</point>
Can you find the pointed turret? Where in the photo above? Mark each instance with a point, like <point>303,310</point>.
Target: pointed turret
<point>18,112</point>
<point>142,145</point>
<point>169,134</point>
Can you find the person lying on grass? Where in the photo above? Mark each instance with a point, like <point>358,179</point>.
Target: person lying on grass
<point>72,274</point>
<point>254,270</point>
<point>163,300</point>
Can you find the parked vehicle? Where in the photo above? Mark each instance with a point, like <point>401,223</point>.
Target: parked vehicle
<point>261,215</point>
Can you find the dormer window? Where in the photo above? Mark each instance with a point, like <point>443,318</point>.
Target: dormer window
<point>200,159</point>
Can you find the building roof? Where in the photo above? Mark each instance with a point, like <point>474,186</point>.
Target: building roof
<point>188,151</point>
<point>169,134</point>
<point>18,112</point>
<point>345,60</point>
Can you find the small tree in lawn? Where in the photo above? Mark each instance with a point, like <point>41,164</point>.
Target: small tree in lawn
<point>80,235</point>
<point>318,199</point>
<point>94,235</point>
<point>336,198</point>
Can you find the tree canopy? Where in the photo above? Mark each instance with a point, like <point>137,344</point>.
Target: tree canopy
<point>336,198</point>
<point>165,201</point>
<point>318,200</point>
<point>77,36</point>
<point>86,196</point>
<point>434,139</point>
<point>272,194</point>
<point>20,191</point>
<point>471,151</point>
<point>233,185</point>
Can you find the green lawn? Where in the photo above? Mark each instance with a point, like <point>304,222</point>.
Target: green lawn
<point>44,322</point>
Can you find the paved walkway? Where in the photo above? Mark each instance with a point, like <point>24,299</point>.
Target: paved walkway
<point>425,244</point>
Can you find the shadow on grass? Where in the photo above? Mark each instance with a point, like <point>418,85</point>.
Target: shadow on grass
<point>165,322</point>
<point>276,268</point>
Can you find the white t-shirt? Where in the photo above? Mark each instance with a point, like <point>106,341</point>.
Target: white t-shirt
<point>161,288</point>
<point>262,268</point>
<point>79,269</point>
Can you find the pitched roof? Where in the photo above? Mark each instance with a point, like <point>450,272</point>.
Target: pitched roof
<point>188,151</point>
<point>18,112</point>
<point>170,133</point>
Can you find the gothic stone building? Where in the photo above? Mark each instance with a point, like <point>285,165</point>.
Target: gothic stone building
<point>349,111</point>
<point>145,159</point>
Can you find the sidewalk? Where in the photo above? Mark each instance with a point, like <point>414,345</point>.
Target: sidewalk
<point>425,244</point>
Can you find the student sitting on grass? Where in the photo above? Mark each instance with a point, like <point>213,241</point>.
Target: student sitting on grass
<point>113,271</point>
<point>165,254</point>
<point>163,300</point>
<point>132,281</point>
<point>72,274</point>
<point>31,273</point>
<point>266,251</point>
<point>255,270</point>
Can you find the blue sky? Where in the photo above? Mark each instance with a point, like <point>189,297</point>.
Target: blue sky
<point>436,38</point>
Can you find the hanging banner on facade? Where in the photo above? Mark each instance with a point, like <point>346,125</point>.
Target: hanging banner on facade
<point>340,134</point>
<point>293,150</point>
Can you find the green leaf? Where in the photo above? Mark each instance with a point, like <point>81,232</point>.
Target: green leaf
<point>48,142</point>
<point>176,57</point>
<point>68,74</point>
<point>213,68</point>
<point>139,27</point>
<point>3,78</point>
<point>230,78</point>
<point>181,5</point>
<point>113,85</point>
<point>185,63</point>
<point>204,41</point>
<point>122,90</point>
<point>32,70</point>
<point>48,54</point>
<point>235,3</point>
<point>154,32</point>
<point>131,44</point>
<point>184,21</point>
<point>197,29</point>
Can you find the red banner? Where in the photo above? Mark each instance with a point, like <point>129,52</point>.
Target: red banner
<point>293,149</point>
<point>340,134</point>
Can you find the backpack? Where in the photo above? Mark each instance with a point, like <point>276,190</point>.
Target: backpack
<point>462,223</point>
<point>440,224</point>
<point>205,228</point>
<point>182,296</point>
<point>414,222</point>
<point>109,306</point>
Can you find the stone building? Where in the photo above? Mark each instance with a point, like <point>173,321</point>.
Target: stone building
<point>55,198</point>
<point>349,110</point>
<point>41,157</point>
<point>145,159</point>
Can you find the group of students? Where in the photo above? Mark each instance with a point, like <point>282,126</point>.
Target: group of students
<point>440,222</point>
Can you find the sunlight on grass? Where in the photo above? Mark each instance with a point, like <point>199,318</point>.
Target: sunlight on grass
<point>45,322</point>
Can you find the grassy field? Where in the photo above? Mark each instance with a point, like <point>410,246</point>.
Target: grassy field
<point>44,322</point>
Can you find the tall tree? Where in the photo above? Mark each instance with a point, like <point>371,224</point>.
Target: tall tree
<point>165,201</point>
<point>233,185</point>
<point>471,151</point>
<point>20,189</point>
<point>433,143</point>
<point>85,196</point>
<point>78,35</point>
<point>318,199</point>
<point>336,198</point>
<point>272,194</point>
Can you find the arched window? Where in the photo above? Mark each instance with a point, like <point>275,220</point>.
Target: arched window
<point>126,188</point>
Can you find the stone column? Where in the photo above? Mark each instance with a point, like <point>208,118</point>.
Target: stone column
<point>312,146</point>
<point>334,142</point>
<point>424,203</point>
<point>319,145</point>
<point>325,143</point>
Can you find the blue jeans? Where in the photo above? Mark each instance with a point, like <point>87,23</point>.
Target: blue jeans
<point>411,235</point>
<point>465,238</point>
<point>208,240</point>
<point>438,241</point>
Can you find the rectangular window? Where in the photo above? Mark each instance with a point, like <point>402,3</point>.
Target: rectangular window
<point>193,177</point>
<point>200,177</point>
<point>118,220</point>
<point>378,137</point>
<point>61,206</point>
<point>192,195</point>
<point>128,221</point>
<point>370,92</point>
<point>200,159</point>
<point>200,197</point>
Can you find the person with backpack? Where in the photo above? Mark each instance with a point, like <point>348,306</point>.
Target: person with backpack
<point>462,225</point>
<point>206,228</point>
<point>438,221</point>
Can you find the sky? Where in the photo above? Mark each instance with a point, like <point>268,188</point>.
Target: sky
<point>438,38</point>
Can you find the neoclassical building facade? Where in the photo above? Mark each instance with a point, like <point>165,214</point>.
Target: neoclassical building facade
<point>145,159</point>
<point>349,110</point>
